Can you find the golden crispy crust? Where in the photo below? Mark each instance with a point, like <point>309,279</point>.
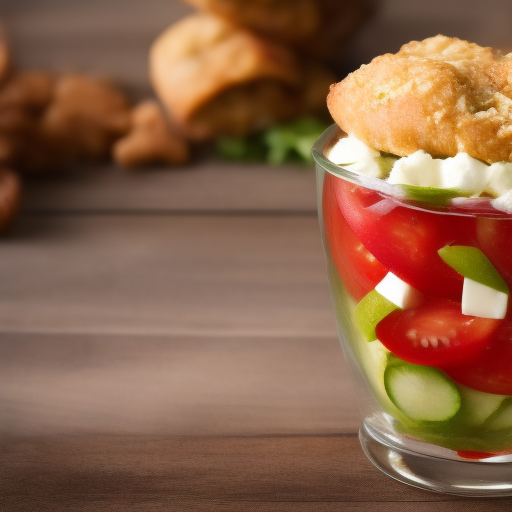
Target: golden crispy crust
<point>442,95</point>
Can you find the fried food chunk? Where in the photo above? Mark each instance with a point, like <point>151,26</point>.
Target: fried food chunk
<point>442,95</point>
<point>317,27</point>
<point>10,197</point>
<point>215,78</point>
<point>286,20</point>
<point>87,115</point>
<point>150,140</point>
<point>46,123</point>
<point>5,57</point>
<point>23,99</point>
<point>28,90</point>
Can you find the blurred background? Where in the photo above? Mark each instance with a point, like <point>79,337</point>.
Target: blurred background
<point>126,30</point>
<point>161,267</point>
<point>224,72</point>
<point>191,247</point>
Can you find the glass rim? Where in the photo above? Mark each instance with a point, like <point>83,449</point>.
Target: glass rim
<point>465,206</point>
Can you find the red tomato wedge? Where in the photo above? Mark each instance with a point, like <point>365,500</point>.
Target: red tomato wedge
<point>358,269</point>
<point>436,333</point>
<point>492,372</point>
<point>406,240</point>
<point>495,239</point>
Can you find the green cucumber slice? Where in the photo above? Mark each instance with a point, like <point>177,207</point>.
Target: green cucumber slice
<point>372,308</point>
<point>473,264</point>
<point>477,406</point>
<point>422,393</point>
<point>502,418</point>
<point>432,195</point>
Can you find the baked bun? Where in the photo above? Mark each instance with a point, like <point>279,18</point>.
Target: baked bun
<point>216,78</point>
<point>442,95</point>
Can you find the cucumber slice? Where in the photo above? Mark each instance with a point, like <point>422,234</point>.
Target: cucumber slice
<point>422,393</point>
<point>473,264</point>
<point>372,308</point>
<point>477,406</point>
<point>502,418</point>
<point>432,195</point>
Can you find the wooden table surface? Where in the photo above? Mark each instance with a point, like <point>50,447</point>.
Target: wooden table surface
<point>166,337</point>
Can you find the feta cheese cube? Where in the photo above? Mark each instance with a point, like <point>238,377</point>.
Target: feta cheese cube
<point>465,173</point>
<point>399,292</point>
<point>483,301</point>
<point>418,169</point>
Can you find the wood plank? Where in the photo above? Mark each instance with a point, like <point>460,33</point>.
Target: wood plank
<point>110,39</point>
<point>159,274</point>
<point>204,185</point>
<point>288,473</point>
<point>174,385</point>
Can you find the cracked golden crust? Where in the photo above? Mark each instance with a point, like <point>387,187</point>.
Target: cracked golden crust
<point>442,95</point>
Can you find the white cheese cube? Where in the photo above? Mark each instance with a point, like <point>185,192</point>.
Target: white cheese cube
<point>356,156</point>
<point>350,150</point>
<point>503,203</point>
<point>483,301</point>
<point>418,169</point>
<point>463,172</point>
<point>500,181</point>
<point>399,292</point>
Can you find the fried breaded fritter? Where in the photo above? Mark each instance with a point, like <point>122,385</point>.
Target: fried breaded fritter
<point>442,95</point>
<point>215,78</point>
<point>86,116</point>
<point>48,122</point>
<point>150,140</point>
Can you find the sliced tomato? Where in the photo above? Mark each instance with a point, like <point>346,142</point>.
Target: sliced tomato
<point>406,240</point>
<point>495,239</point>
<point>492,372</point>
<point>436,333</point>
<point>358,268</point>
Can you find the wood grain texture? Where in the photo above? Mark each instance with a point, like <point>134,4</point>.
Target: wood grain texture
<point>165,385</point>
<point>104,38</point>
<point>166,339</point>
<point>288,473</point>
<point>203,186</point>
<point>160,274</point>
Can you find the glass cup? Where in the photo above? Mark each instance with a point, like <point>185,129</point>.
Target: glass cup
<point>434,385</point>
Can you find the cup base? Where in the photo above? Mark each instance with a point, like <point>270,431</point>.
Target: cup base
<point>439,474</point>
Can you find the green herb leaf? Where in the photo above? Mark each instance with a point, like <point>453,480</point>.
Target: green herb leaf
<point>289,142</point>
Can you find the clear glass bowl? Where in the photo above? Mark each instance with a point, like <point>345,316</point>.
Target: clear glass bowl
<point>436,414</point>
